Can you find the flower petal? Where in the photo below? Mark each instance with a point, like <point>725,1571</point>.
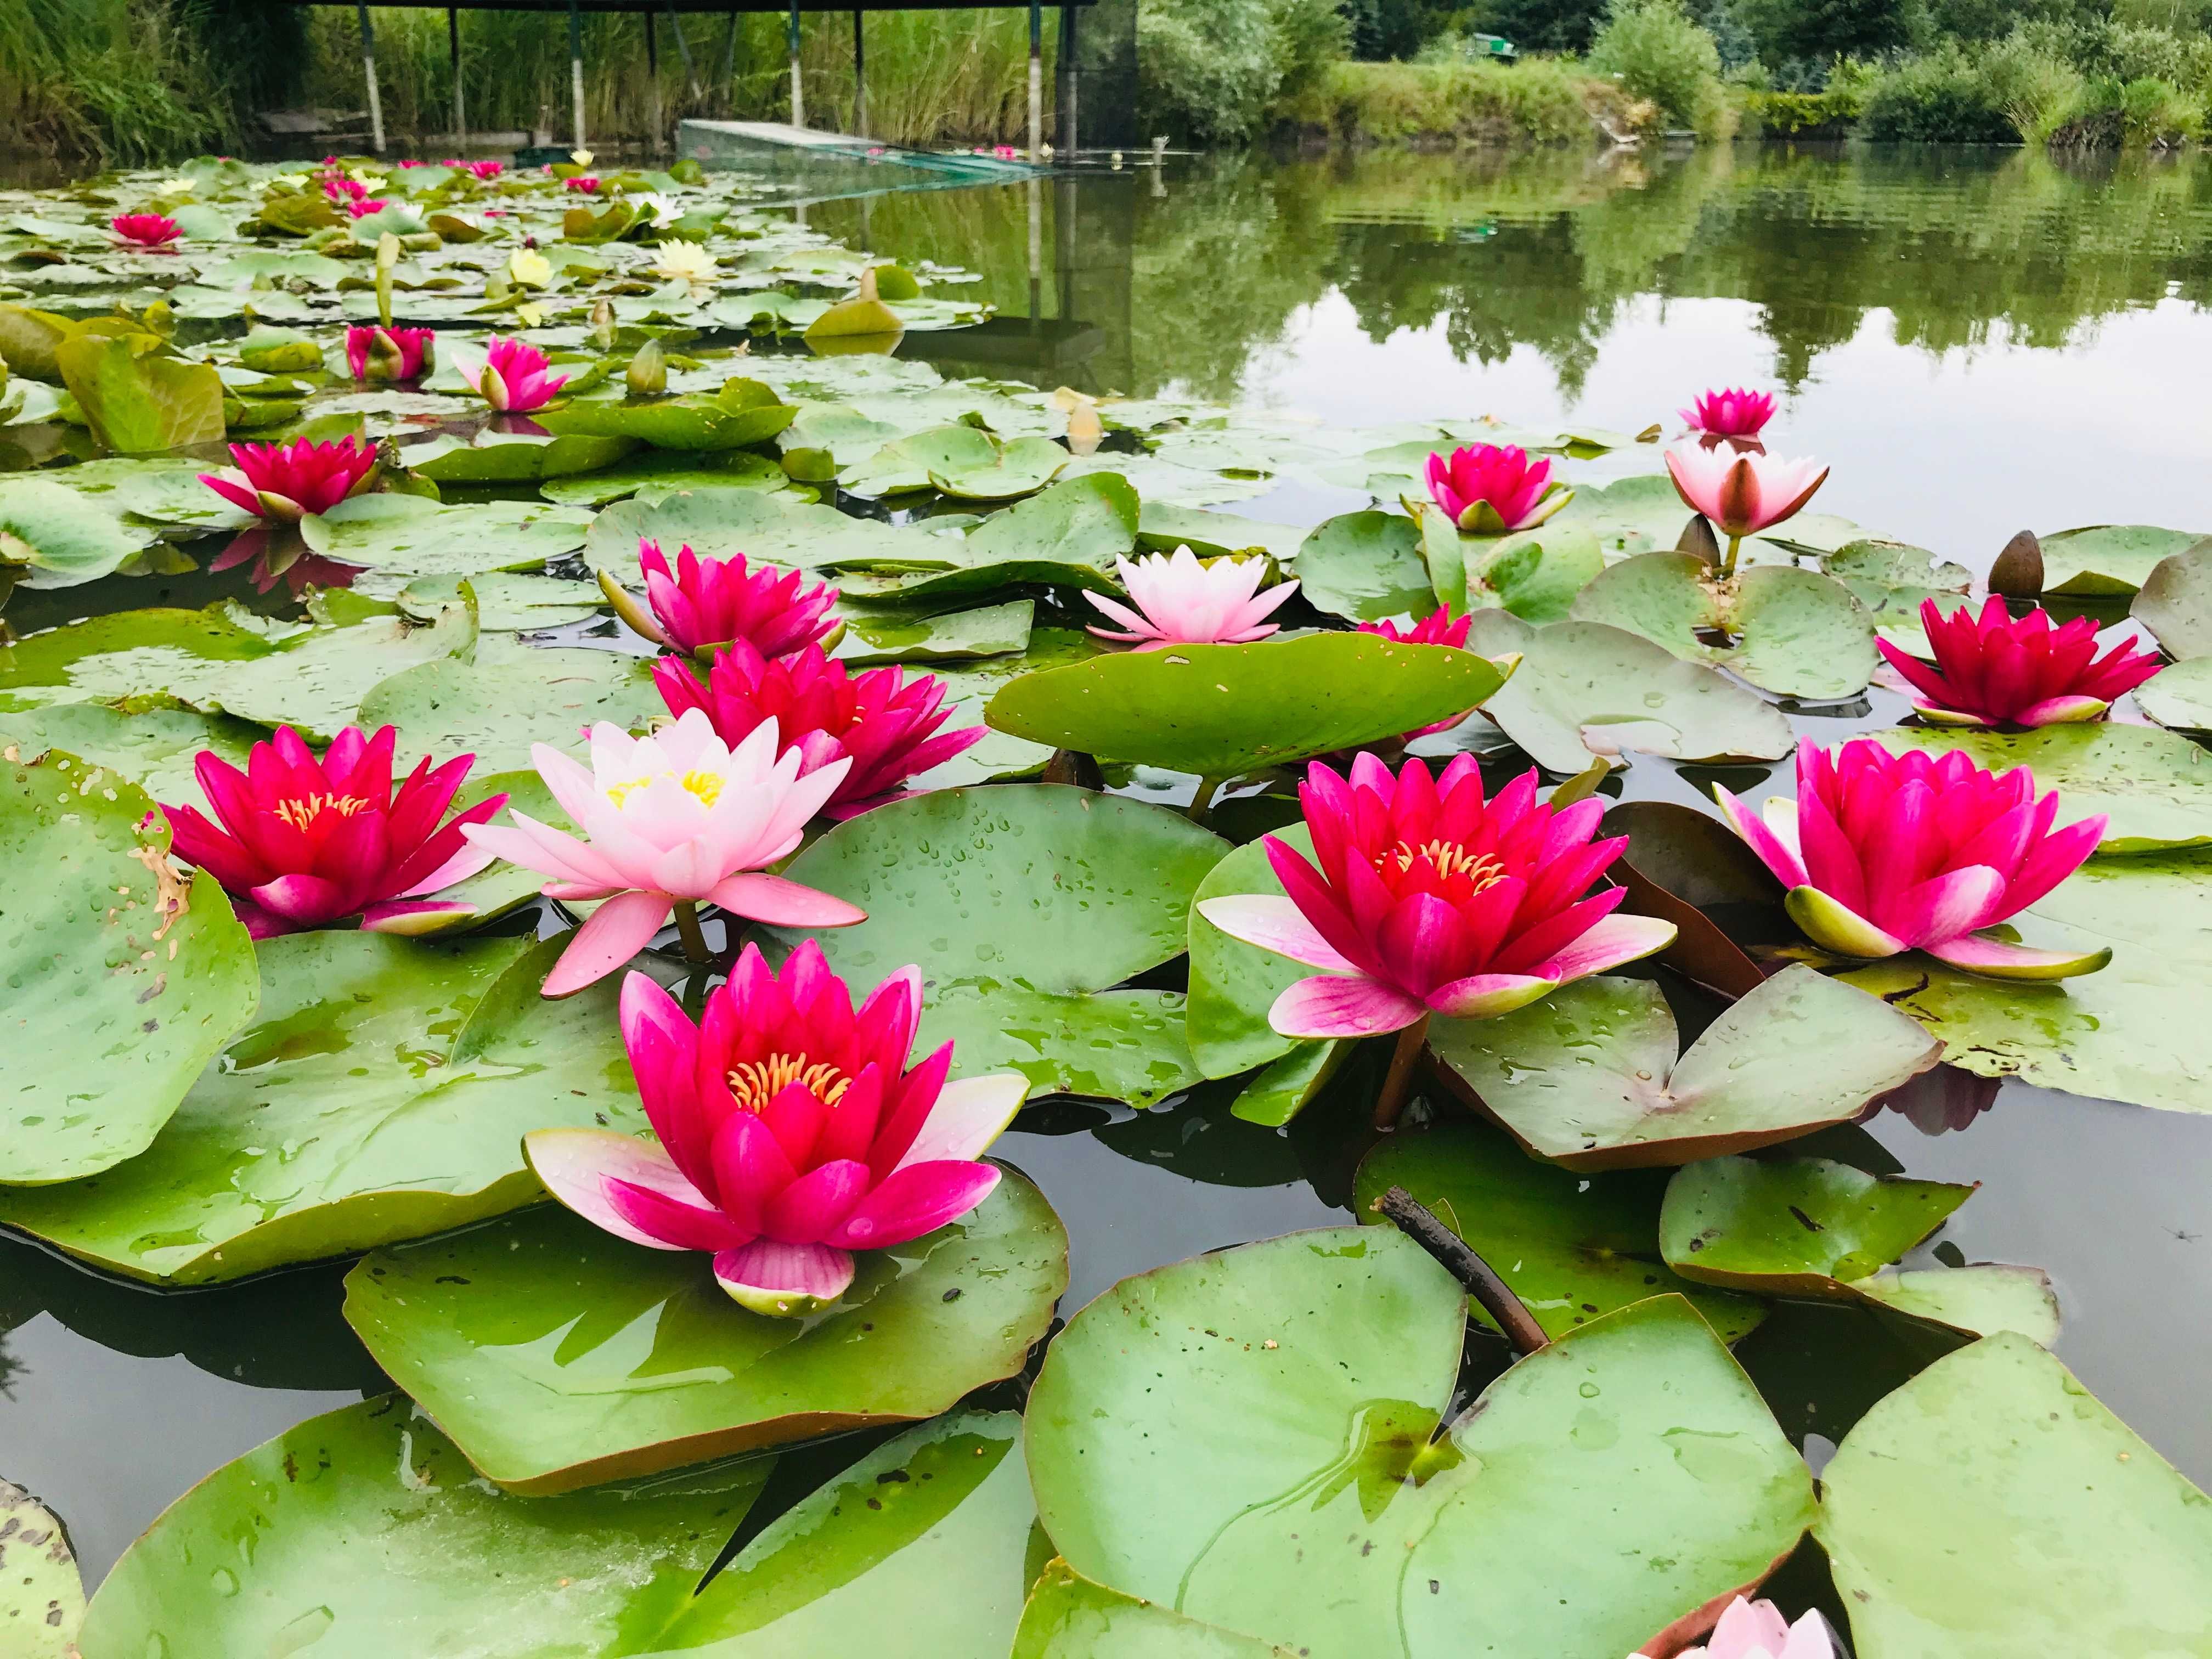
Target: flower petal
<point>968,1115</point>
<point>1607,944</point>
<point>1977,953</point>
<point>1273,924</point>
<point>412,916</point>
<point>1342,1006</point>
<point>620,928</point>
<point>916,1198</point>
<point>759,896</point>
<point>784,1281</point>
<point>575,1165</point>
<point>1834,926</point>
<point>1486,996</point>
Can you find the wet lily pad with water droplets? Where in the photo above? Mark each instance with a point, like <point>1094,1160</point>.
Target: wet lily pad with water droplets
<point>1069,536</point>
<point>722,521</point>
<point>932,1533</point>
<point>1245,1438</point>
<point>2155,786</point>
<point>124,977</point>
<point>381,1093</point>
<point>1364,567</point>
<point>1992,1507</point>
<point>363,1534</point>
<point>314,681</point>
<point>1223,710</point>
<point>1588,1076</point>
<point>424,539</point>
<point>1802,1226</point>
<point>658,472</point>
<point>155,747</point>
<point>1050,888</point>
<point>2180,695</point>
<point>62,539</point>
<point>1979,1300</point>
<point>129,653</point>
<point>558,1356</point>
<point>41,1591</point>
<point>506,696</point>
<point>1233,984</point>
<point>1099,1045</point>
<point>2109,559</point>
<point>876,634</point>
<point>1068,1617</point>
<point>512,456</point>
<point>2175,602</point>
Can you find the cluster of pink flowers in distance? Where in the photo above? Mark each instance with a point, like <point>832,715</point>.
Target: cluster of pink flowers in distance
<point>582,183</point>
<point>1179,601</point>
<point>289,481</point>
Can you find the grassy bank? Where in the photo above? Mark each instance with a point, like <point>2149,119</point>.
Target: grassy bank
<point>1540,102</point>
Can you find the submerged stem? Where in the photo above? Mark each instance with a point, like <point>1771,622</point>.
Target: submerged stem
<point>1460,1260</point>
<point>688,930</point>
<point>1399,1078</point>
<point>1202,802</point>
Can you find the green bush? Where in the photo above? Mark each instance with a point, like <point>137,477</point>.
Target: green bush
<point>1537,100</point>
<point>1943,97</point>
<point>1214,69</point>
<point>1828,114</point>
<point>1658,53</point>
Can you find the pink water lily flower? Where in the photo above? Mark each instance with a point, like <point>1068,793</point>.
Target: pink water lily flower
<point>1756,1630</point>
<point>362,209</point>
<point>1181,601</point>
<point>675,818</point>
<point>881,725</point>
<point>582,184</point>
<point>487,169</point>
<point>301,842</point>
<point>1488,490</point>
<point>147,230</point>
<point>375,353</point>
<point>1439,627</point>
<point>1428,899</point>
<point>289,481</point>
<point>1736,412</point>
<point>788,1130</point>
<point>339,188</point>
<point>705,603</point>
<point>1885,853</point>
<point>1994,670</point>
<point>514,377</point>
<point>1741,492</point>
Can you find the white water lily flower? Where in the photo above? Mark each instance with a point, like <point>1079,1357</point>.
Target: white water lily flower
<point>528,267</point>
<point>685,261</point>
<point>653,206</point>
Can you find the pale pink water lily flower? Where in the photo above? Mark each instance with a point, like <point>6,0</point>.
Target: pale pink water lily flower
<point>1742,493</point>
<point>1179,601</point>
<point>1756,1630</point>
<point>674,818</point>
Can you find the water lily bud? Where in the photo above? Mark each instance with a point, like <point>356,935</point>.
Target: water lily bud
<point>648,371</point>
<point>603,323</point>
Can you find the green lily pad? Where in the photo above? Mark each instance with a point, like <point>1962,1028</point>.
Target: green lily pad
<point>969,688</point>
<point>425,538</point>
<point>1365,566</point>
<point>2109,559</point>
<point>2126,1032</point>
<point>506,601</point>
<point>60,536</point>
<point>743,413</point>
<point>961,461</point>
<point>123,979</point>
<point>1068,1617</point>
<point>1233,984</point>
<point>137,400</point>
<point>128,653</point>
<point>1979,1300</point>
<point>1795,1226</point>
<point>2179,696</point>
<point>381,1093</point>
<point>2155,786</point>
<point>557,1356</point>
<point>1100,1045</point>
<point>1794,632</point>
<point>1992,1506</point>
<point>363,1534</point>
<point>875,635</point>
<point>41,1591</point>
<point>1642,514</point>
<point>1055,889</point>
<point>2175,602</point>
<point>663,471</point>
<point>759,524</point>
<point>936,1523</point>
<point>1535,574</point>
<point>500,887</point>
<point>512,456</point>
<point>1588,1076</point>
<point>315,680</point>
<point>1246,1438</point>
<point>507,696</point>
<point>161,489</point>
<point>1584,689</point>
<point>1162,527</point>
<point>1573,1249</point>
<point>1222,710</point>
<point>155,748</point>
<point>1891,580</point>
<point>1070,535</point>
<point>1285,1087</point>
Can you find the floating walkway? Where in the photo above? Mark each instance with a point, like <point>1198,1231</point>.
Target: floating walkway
<point>824,166</point>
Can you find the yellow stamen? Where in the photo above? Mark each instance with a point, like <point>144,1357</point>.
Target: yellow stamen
<point>705,787</point>
<point>757,1082</point>
<point>303,809</point>
<point>1450,858</point>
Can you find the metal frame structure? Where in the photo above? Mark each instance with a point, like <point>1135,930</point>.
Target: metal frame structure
<point>651,9</point>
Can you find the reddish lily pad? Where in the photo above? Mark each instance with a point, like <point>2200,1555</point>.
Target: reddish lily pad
<point>1589,1076</point>
<point>1795,1226</point>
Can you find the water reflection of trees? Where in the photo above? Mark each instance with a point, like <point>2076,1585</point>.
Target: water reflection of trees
<point>1191,277</point>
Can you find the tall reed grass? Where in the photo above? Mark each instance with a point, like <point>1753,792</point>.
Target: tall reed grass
<point>118,80</point>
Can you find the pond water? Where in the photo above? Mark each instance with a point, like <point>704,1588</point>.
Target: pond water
<point>1978,342</point>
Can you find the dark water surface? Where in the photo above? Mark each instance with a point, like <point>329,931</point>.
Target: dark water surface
<point>1977,340</point>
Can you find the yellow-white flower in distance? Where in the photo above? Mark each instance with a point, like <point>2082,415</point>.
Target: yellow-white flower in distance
<point>528,267</point>
<point>174,188</point>
<point>684,262</point>
<point>367,175</point>
<point>582,158</point>
<point>529,316</point>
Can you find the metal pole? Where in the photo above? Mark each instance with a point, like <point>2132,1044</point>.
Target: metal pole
<point>1037,252</point>
<point>653,78</point>
<point>730,56</point>
<point>369,66</point>
<point>798,90</point>
<point>684,51</point>
<point>576,68</point>
<point>460,108</point>
<point>860,75</point>
<point>1067,79</point>
<point>1037,78</point>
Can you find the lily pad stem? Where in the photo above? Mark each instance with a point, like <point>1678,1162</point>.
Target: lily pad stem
<point>1400,1078</point>
<point>688,930</point>
<point>1728,565</point>
<point>1202,802</point>
<point>1419,1224</point>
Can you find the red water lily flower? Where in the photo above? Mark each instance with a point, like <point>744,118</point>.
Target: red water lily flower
<point>1428,899</point>
<point>887,725</point>
<point>1736,412</point>
<point>582,183</point>
<point>289,481</point>
<point>1885,853</point>
<point>148,230</point>
<point>705,603</point>
<point>788,1130</point>
<point>303,843</point>
<point>375,353</point>
<point>1488,490</point>
<point>1995,671</point>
